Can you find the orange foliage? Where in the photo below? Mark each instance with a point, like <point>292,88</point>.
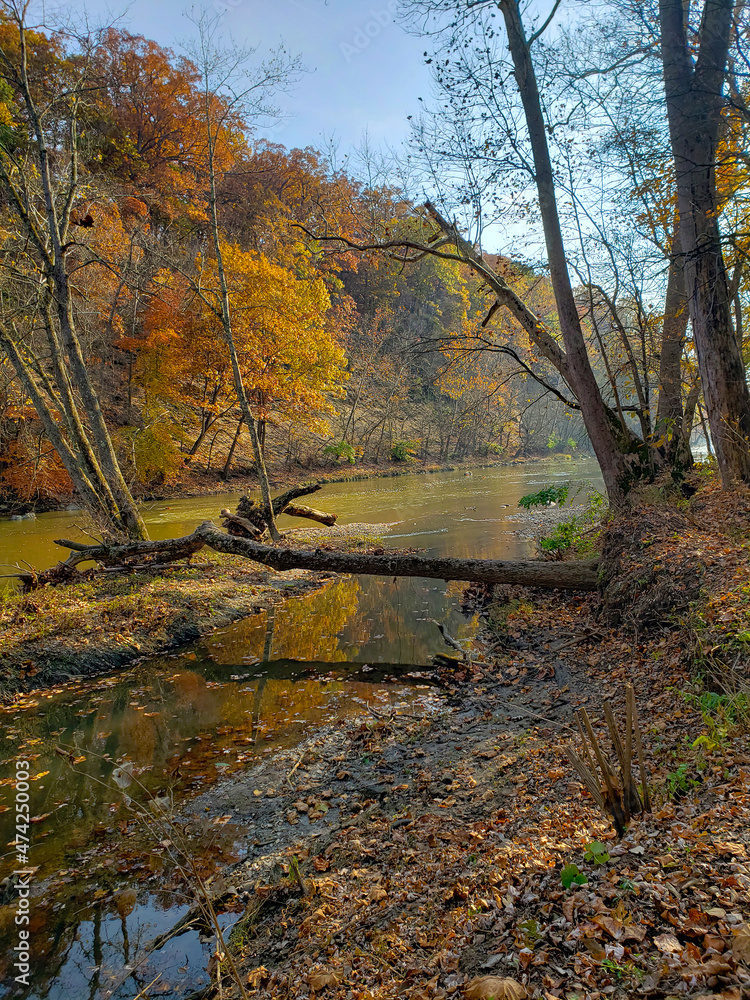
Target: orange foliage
<point>150,118</point>
<point>30,469</point>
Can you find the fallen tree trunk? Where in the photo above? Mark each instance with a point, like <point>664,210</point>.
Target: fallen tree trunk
<point>116,555</point>
<point>580,575</point>
<point>239,526</point>
<point>299,510</point>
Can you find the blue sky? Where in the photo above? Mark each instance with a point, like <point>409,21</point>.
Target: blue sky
<point>366,72</point>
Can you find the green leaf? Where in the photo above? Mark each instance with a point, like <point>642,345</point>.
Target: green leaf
<point>572,874</point>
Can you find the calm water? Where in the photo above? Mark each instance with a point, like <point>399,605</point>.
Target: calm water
<point>218,706</point>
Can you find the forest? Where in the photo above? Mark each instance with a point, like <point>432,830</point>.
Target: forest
<point>344,357</point>
<point>478,726</point>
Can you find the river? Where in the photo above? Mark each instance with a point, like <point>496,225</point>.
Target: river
<point>221,705</point>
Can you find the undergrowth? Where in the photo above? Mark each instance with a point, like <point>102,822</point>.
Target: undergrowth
<point>579,534</point>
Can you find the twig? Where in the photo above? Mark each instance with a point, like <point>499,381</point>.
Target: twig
<point>627,772</point>
<point>301,758</point>
<point>639,749</point>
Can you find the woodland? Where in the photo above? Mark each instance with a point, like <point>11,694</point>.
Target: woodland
<point>557,264</point>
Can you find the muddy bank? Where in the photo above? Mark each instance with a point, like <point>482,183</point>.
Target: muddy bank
<point>406,857</point>
<point>107,621</point>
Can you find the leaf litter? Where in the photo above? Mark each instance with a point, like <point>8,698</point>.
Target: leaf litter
<point>440,874</point>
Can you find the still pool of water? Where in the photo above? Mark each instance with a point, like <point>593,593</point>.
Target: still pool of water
<point>220,705</point>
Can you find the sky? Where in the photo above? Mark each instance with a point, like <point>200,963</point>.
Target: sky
<point>366,72</point>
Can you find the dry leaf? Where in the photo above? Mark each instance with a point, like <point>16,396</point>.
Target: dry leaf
<point>668,944</point>
<point>376,894</point>
<point>258,976</point>
<point>741,944</point>
<point>319,979</point>
<point>613,927</point>
<point>494,988</point>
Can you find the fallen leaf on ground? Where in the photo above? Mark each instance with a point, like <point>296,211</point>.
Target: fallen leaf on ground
<point>494,988</point>
<point>319,979</point>
<point>741,944</point>
<point>668,944</point>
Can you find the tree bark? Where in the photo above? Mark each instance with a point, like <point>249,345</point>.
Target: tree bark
<point>694,92</point>
<point>581,376</point>
<point>255,511</point>
<point>300,510</point>
<point>669,414</point>
<point>581,575</point>
<point>230,455</point>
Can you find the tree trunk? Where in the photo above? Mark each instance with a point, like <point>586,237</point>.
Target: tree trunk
<point>230,454</point>
<point>694,92</point>
<point>255,512</point>
<point>669,413</point>
<point>581,376</point>
<point>580,575</point>
<point>226,320</point>
<point>300,510</point>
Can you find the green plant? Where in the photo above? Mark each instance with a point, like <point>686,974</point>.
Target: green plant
<point>623,970</point>
<point>531,932</point>
<point>679,783</point>
<point>596,852</point>
<point>342,451</point>
<point>579,533</point>
<point>404,451</point>
<point>572,875</point>
<point>545,497</point>
<point>490,448</point>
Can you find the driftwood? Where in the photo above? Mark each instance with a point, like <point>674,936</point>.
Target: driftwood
<point>239,526</point>
<point>299,510</point>
<point>616,795</point>
<point>252,510</point>
<point>581,575</point>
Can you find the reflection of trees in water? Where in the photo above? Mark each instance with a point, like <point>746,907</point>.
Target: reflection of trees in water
<point>146,719</point>
<point>303,628</point>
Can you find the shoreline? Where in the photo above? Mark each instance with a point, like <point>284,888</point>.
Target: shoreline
<point>102,623</point>
<point>211,486</point>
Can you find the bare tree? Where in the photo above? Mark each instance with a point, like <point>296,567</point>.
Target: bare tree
<point>695,72</point>
<point>232,85</point>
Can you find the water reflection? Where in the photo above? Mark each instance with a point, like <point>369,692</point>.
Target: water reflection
<point>218,706</point>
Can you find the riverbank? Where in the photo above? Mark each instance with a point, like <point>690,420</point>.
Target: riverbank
<point>198,483</point>
<point>103,622</point>
<point>428,857</point>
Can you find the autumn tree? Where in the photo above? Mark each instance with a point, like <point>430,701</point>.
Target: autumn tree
<point>39,172</point>
<point>290,363</point>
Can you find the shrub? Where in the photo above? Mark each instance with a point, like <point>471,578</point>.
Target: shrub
<point>153,451</point>
<point>577,532</point>
<point>404,451</point>
<point>545,497</point>
<point>342,451</point>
